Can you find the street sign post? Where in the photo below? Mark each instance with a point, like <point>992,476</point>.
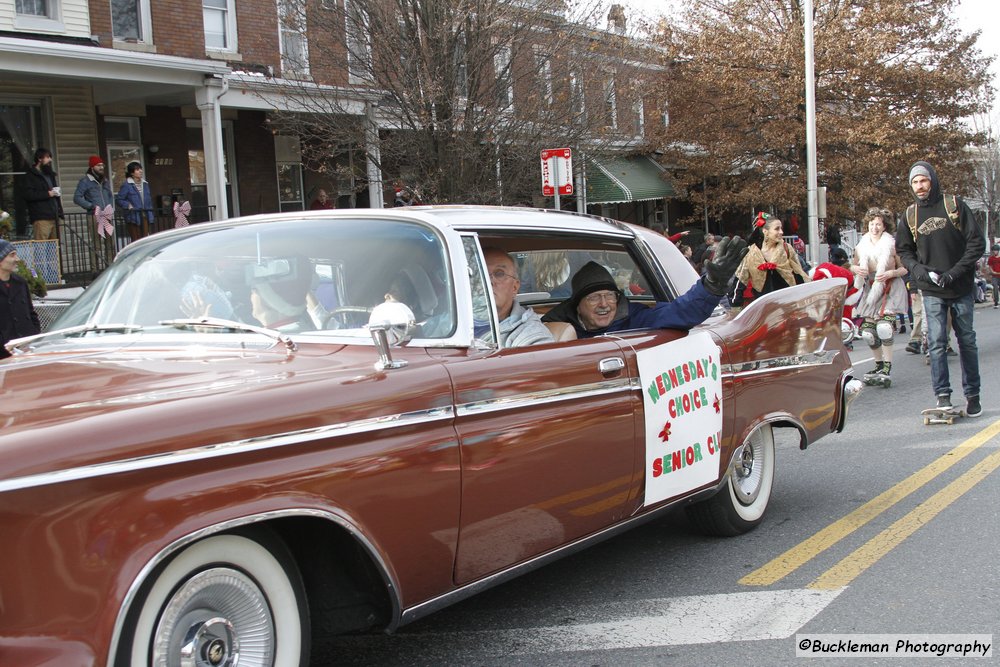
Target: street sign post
<point>557,173</point>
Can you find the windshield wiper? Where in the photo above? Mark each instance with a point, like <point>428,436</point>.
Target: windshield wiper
<point>80,328</point>
<point>218,323</point>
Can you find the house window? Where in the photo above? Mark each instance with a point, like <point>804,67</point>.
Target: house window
<point>38,8</point>
<point>220,24</point>
<point>544,65</point>
<point>359,48</point>
<point>41,15</point>
<point>610,102</point>
<point>130,20</point>
<point>294,43</point>
<point>124,140</point>
<point>665,114</point>
<point>638,119</point>
<point>409,39</point>
<point>198,172</point>
<point>504,78</point>
<point>288,164</point>
<point>23,128</point>
<point>461,67</point>
<point>576,97</point>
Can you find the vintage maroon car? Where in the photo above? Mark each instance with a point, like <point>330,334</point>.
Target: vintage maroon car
<point>224,444</point>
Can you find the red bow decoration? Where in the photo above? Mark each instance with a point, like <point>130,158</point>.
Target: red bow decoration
<point>767,266</point>
<point>665,433</point>
<point>181,212</point>
<point>103,216</point>
<point>760,221</point>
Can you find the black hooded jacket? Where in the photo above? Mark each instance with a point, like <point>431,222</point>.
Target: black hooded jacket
<point>17,314</point>
<point>940,245</point>
<point>36,193</point>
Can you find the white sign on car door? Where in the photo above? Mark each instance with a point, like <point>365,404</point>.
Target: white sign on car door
<point>682,400</point>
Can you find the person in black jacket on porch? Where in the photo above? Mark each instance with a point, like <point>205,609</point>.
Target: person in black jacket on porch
<point>41,192</point>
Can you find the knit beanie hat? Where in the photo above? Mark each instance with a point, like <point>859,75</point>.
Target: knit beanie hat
<point>6,247</point>
<point>95,160</point>
<point>919,170</point>
<point>591,278</point>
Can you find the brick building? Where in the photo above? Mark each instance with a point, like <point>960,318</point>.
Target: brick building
<point>186,88</point>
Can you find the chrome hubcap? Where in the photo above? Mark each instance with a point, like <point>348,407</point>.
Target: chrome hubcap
<point>748,471</point>
<point>217,618</point>
<point>210,644</point>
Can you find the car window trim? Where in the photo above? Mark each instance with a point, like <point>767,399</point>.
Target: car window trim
<point>488,289</point>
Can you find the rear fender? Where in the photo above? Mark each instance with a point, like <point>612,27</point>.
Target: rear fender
<point>785,356</point>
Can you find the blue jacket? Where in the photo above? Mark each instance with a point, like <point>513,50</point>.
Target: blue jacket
<point>686,311</point>
<point>131,197</point>
<point>91,193</point>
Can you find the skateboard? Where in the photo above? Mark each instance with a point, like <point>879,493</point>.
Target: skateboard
<point>878,380</point>
<point>941,415</point>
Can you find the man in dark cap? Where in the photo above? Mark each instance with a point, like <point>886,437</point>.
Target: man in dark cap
<point>598,306</point>
<point>17,314</point>
<point>940,244</point>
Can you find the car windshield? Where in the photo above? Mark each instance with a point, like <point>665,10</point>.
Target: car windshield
<point>293,276</point>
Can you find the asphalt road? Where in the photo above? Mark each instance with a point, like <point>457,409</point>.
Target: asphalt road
<point>890,527</point>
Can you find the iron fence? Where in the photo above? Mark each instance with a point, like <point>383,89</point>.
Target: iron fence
<point>84,253</point>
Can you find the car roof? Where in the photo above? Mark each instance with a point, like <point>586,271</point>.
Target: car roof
<point>501,218</point>
<point>459,217</point>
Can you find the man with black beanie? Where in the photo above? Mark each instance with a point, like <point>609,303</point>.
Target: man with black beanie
<point>598,305</point>
<point>940,243</point>
<point>17,314</point>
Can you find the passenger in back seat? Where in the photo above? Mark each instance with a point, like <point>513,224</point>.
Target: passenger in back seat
<point>519,326</point>
<point>598,305</point>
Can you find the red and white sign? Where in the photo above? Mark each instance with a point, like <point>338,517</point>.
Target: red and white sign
<point>557,171</point>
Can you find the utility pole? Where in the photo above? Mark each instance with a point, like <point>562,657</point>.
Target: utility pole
<point>811,198</point>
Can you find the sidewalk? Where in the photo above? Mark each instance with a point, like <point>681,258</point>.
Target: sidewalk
<point>61,294</point>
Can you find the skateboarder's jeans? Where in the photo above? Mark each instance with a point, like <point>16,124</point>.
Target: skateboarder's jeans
<point>936,312</point>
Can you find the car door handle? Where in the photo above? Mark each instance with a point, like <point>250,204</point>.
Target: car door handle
<point>611,366</point>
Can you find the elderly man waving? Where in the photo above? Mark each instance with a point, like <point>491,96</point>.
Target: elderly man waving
<point>598,307</point>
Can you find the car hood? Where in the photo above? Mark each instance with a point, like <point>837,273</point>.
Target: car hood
<point>71,409</point>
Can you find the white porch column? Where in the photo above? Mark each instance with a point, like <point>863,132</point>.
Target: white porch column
<point>207,98</point>
<point>373,157</point>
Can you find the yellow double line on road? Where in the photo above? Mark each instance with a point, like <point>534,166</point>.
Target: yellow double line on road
<point>867,555</point>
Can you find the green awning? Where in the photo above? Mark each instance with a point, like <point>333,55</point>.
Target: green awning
<point>612,180</point>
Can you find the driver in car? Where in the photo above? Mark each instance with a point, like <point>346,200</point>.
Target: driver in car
<point>598,305</point>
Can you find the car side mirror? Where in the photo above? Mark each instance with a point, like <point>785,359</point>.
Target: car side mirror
<point>391,324</point>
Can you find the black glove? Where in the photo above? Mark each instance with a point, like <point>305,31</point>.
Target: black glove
<point>722,267</point>
<point>919,273</point>
<point>946,279</point>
